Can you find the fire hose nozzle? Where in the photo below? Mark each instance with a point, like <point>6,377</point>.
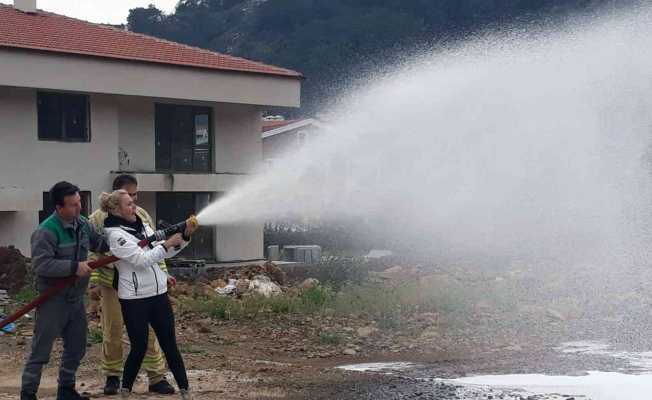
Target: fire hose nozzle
<point>193,221</point>
<point>163,234</point>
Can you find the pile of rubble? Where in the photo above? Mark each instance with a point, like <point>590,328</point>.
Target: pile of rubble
<point>13,270</point>
<point>258,284</point>
<point>264,280</point>
<point>267,280</point>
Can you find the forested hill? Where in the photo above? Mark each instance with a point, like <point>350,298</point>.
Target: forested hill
<point>334,41</point>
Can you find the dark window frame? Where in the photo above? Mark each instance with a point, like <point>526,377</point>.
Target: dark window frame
<point>62,105</point>
<point>168,150</point>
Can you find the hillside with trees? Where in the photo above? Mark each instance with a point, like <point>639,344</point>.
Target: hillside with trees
<point>333,42</point>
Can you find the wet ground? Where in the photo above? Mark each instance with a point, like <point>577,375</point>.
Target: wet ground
<point>564,372</point>
<point>574,370</point>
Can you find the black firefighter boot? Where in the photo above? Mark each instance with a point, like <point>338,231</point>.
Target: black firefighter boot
<point>112,385</point>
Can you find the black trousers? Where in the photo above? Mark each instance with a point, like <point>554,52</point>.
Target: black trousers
<point>138,315</point>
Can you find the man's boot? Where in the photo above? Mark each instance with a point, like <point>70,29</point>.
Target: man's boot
<point>69,393</point>
<point>112,385</point>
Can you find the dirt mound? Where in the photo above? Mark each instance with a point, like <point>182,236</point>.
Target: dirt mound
<point>13,269</point>
<point>269,269</point>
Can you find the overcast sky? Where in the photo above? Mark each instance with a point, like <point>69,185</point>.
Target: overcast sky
<point>104,11</point>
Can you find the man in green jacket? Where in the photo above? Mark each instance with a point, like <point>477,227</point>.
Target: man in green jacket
<point>111,313</point>
<point>60,247</point>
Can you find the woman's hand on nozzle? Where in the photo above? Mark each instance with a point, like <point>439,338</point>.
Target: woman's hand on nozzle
<point>174,241</point>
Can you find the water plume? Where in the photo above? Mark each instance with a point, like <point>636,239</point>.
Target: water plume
<point>516,144</point>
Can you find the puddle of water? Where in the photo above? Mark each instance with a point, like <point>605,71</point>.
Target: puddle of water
<point>595,385</point>
<point>640,362</point>
<point>274,363</point>
<point>585,347</point>
<point>378,367</point>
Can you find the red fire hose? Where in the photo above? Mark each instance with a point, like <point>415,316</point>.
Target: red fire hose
<point>59,286</point>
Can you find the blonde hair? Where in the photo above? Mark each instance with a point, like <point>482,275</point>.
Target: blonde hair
<point>110,202</point>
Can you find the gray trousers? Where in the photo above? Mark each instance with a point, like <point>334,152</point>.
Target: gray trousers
<point>56,318</point>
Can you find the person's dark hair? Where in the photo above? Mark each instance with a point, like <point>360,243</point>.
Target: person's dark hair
<point>60,191</point>
<point>121,181</point>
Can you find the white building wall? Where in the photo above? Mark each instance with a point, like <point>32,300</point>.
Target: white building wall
<point>32,166</point>
<point>238,149</point>
<point>237,153</point>
<point>136,133</point>
<point>238,145</point>
<point>16,229</point>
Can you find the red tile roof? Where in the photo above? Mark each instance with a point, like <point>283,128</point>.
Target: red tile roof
<point>269,125</point>
<point>57,33</point>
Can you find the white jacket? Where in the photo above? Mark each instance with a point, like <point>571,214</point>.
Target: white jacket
<point>139,273</point>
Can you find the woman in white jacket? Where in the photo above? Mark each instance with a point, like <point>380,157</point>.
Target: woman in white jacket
<point>142,286</point>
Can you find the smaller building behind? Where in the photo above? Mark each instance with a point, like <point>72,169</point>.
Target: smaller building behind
<point>282,136</point>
